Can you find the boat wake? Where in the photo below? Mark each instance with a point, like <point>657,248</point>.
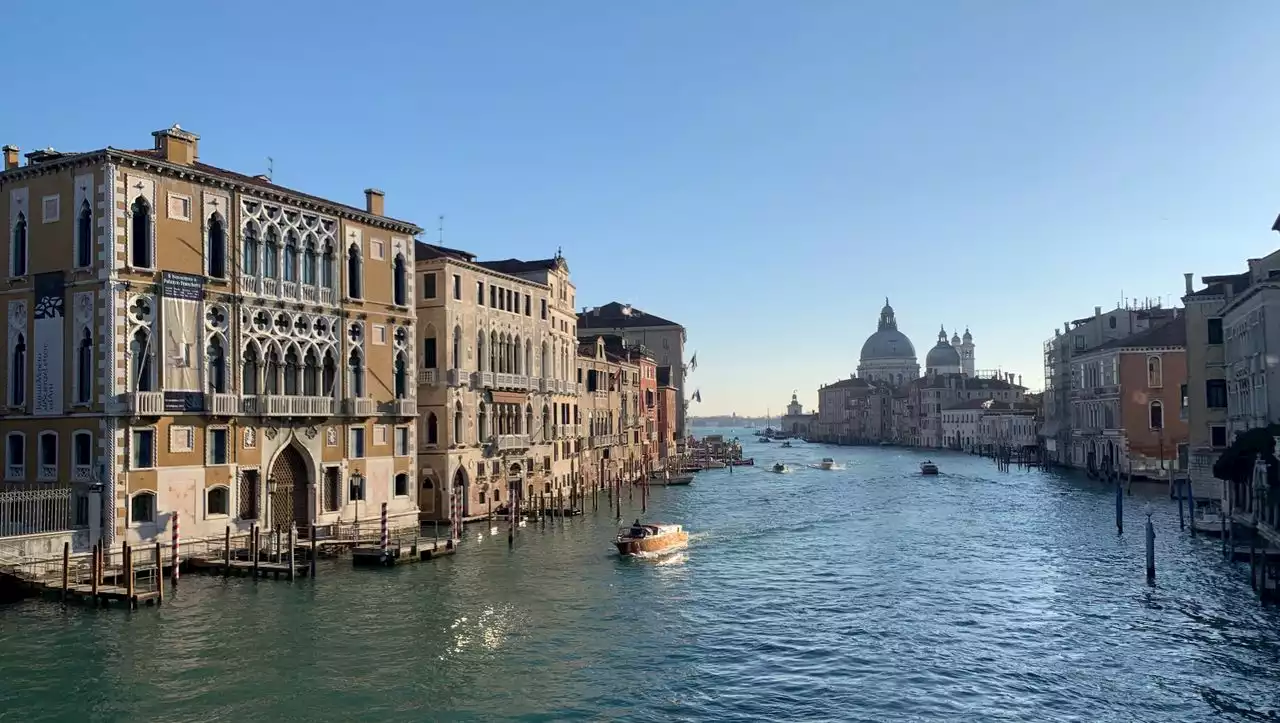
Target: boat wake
<point>818,466</point>
<point>663,557</point>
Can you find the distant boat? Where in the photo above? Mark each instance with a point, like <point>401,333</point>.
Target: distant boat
<point>779,468</point>
<point>652,539</point>
<point>786,445</point>
<point>927,467</point>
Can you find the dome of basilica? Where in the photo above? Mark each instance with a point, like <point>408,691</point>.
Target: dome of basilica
<point>887,342</point>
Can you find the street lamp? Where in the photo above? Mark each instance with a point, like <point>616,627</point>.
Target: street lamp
<point>356,494</point>
<point>271,498</point>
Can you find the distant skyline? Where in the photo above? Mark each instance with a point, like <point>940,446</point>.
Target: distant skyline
<point>764,173</point>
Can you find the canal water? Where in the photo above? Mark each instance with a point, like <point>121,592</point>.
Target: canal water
<point>863,594</point>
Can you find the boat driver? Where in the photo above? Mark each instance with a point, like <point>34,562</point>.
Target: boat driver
<point>637,530</point>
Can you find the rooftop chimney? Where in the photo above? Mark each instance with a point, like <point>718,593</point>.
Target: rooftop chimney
<point>1187,280</point>
<point>1097,311</point>
<point>374,201</point>
<point>10,157</point>
<point>176,145</point>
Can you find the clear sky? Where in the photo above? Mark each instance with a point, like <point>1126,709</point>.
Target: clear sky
<point>763,172</point>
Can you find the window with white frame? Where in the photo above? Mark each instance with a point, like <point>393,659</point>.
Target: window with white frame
<point>379,435</point>
<point>47,456</point>
<point>217,501</point>
<point>142,508</point>
<point>82,454</point>
<point>50,208</point>
<point>357,443</point>
<point>218,446</point>
<point>18,247</point>
<point>402,441</point>
<point>142,449</point>
<point>84,236</point>
<point>15,457</point>
<point>1155,372</point>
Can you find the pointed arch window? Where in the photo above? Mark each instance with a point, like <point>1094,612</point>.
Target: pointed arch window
<point>249,375</point>
<point>311,374</point>
<point>480,352</point>
<point>482,422</point>
<point>356,371</point>
<point>217,247</point>
<point>457,423</point>
<point>329,375</point>
<point>516,359</point>
<point>493,352</point>
<point>291,372</point>
<point>545,371</point>
<point>433,429</point>
<point>271,373</point>
<point>1155,372</point>
<point>309,261</point>
<point>457,347</point>
<point>271,255</point>
<point>140,223</point>
<point>546,423</point>
<point>18,373</point>
<point>401,377</point>
<point>327,265</point>
<point>18,249</point>
<point>528,420</point>
<point>354,280</point>
<point>429,349</point>
<point>252,250</point>
<point>399,281</point>
<point>290,257</point>
<point>84,236</point>
<point>84,367</point>
<point>216,358</point>
<point>141,352</point>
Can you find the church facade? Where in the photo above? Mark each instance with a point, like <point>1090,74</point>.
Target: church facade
<point>796,423</point>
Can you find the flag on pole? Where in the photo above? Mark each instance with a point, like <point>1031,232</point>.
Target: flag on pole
<point>697,395</point>
<point>693,362</point>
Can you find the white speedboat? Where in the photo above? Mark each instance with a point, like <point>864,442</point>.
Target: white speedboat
<point>928,467</point>
<point>827,463</point>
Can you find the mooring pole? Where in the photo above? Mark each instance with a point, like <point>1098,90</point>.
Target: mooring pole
<point>1151,547</point>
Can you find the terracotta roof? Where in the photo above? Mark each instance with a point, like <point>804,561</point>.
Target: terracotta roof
<point>255,181</point>
<point>613,316</point>
<point>1173,333</point>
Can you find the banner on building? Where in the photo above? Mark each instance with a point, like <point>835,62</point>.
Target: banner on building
<point>181,299</point>
<point>47,346</point>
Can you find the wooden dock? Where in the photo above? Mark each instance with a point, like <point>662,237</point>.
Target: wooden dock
<point>400,554</point>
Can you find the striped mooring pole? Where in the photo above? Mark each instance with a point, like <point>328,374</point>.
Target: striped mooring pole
<point>384,529</point>
<point>174,549</point>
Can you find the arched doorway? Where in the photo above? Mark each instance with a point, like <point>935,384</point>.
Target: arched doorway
<point>289,487</point>
<point>460,498</point>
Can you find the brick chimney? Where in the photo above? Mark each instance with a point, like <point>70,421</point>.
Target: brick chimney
<point>10,157</point>
<point>176,145</point>
<point>374,201</point>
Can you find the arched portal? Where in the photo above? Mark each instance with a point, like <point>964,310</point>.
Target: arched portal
<point>460,497</point>
<point>289,487</point>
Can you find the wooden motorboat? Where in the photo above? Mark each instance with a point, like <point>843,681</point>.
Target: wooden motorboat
<point>927,467</point>
<point>827,463</point>
<point>650,539</point>
<point>749,461</point>
<point>1208,521</point>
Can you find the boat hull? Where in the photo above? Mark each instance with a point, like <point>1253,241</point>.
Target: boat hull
<point>656,545</point>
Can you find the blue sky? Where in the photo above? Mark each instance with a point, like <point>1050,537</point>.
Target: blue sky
<point>763,172</point>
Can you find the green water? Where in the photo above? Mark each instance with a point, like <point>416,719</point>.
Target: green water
<point>868,593</point>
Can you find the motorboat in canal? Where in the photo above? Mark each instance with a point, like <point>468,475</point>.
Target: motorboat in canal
<point>1207,520</point>
<point>928,467</point>
<point>664,479</point>
<point>827,463</point>
<point>654,538</point>
<point>786,445</point>
<point>748,462</point>
<point>779,468</point>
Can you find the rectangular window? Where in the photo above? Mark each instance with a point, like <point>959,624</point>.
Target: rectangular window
<point>179,207</point>
<point>379,334</point>
<point>379,435</point>
<point>51,208</point>
<point>1215,331</point>
<point>480,293</point>
<point>82,450</point>
<point>15,457</point>
<point>48,456</point>
<point>1218,435</point>
<point>401,485</point>
<point>218,446</point>
<point>457,287</point>
<point>332,498</point>
<point>429,286</point>
<point>493,297</point>
<point>544,308</point>
<point>402,441</point>
<point>1182,404</point>
<point>1215,393</point>
<point>357,444</point>
<point>528,305</point>
<point>142,451</point>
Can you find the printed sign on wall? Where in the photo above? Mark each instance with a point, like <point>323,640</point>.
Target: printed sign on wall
<point>181,295</point>
<point>50,315</point>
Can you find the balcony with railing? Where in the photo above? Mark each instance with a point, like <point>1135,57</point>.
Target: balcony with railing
<point>145,403</point>
<point>406,407</point>
<point>221,404</point>
<point>288,405</point>
<point>482,380</point>
<point>359,407</point>
<point>427,376</point>
<point>512,441</point>
<point>456,377</point>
